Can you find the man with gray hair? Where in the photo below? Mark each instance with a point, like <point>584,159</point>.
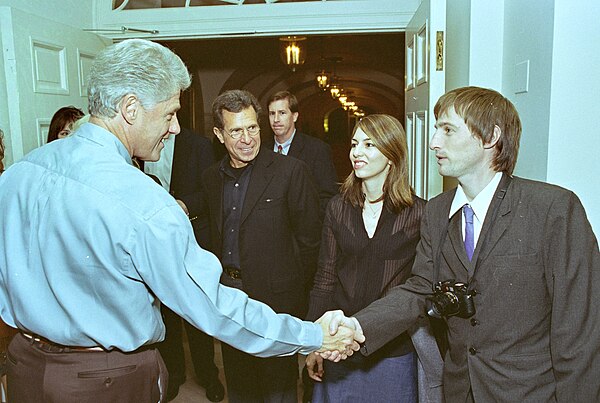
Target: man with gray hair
<point>91,246</point>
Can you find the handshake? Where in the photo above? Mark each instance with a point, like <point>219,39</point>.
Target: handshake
<point>341,336</point>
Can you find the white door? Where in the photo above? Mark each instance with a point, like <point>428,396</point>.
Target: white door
<point>46,65</point>
<point>425,83</point>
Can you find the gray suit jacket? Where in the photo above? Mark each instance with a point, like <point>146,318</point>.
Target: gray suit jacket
<point>536,268</point>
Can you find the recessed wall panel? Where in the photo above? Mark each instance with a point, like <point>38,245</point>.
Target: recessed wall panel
<point>84,63</point>
<point>49,68</point>
<point>43,125</point>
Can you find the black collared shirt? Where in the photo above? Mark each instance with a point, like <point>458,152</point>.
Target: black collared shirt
<point>235,185</point>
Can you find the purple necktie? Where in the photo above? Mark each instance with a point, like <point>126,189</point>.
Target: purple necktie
<point>469,234</point>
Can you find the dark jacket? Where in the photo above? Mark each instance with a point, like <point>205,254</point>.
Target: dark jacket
<point>317,155</point>
<point>536,270</point>
<point>279,230</point>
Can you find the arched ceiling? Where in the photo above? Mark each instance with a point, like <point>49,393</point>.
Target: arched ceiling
<point>370,69</point>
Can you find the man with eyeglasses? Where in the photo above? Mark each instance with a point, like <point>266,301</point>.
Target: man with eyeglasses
<point>265,228</point>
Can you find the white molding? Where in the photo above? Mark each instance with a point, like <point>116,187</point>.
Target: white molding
<point>84,62</point>
<point>42,126</point>
<point>341,16</point>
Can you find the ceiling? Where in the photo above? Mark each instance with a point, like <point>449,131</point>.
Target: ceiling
<point>370,69</point>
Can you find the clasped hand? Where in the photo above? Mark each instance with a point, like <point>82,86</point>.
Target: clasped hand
<point>341,336</point>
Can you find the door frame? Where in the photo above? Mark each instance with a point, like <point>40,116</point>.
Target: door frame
<point>303,18</point>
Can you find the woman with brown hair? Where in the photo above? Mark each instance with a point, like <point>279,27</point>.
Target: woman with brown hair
<point>370,234</point>
<point>61,124</point>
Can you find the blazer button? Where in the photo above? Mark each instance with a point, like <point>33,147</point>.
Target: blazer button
<point>474,322</point>
<point>472,351</point>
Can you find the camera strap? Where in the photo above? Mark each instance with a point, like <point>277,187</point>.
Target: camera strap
<point>495,205</point>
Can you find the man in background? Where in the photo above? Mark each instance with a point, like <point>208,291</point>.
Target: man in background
<point>287,140</point>
<point>179,168</point>
<point>91,246</point>
<point>265,229</point>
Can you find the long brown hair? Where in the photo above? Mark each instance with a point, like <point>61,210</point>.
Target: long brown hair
<point>63,117</point>
<point>387,134</point>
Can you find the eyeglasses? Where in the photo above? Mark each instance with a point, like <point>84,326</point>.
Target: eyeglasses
<point>237,133</point>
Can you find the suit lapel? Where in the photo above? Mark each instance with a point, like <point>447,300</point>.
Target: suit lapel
<point>259,180</point>
<point>297,145</point>
<point>456,240</point>
<point>496,225</point>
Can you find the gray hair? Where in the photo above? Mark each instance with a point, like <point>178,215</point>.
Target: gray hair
<point>135,66</point>
<point>233,101</point>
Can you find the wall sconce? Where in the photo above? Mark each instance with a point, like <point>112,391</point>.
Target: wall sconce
<point>292,51</point>
<point>334,90</point>
<point>323,80</point>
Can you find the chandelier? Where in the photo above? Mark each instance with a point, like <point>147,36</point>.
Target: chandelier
<point>292,50</point>
<point>322,80</point>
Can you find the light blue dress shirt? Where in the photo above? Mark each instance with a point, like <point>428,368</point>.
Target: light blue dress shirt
<point>90,244</point>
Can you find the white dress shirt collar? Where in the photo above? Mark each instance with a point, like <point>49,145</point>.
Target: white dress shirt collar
<point>480,204</point>
<point>285,146</point>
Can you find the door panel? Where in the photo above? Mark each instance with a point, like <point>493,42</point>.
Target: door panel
<point>46,66</point>
<point>425,83</point>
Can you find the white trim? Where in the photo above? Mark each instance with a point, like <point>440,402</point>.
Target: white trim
<point>269,19</point>
<point>12,87</point>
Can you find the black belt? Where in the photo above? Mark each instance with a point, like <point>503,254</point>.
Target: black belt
<point>50,346</point>
<point>232,272</point>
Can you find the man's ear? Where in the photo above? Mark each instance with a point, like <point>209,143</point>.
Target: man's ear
<point>130,108</point>
<point>295,116</point>
<point>219,135</point>
<point>495,138</point>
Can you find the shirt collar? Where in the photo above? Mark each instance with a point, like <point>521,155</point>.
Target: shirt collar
<point>103,137</point>
<point>286,143</point>
<point>481,203</point>
<point>225,165</point>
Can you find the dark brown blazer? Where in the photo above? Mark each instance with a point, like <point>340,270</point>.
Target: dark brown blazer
<point>536,269</point>
<point>316,154</point>
<point>279,230</point>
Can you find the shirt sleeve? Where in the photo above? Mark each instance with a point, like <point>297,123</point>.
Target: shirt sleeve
<point>572,264</point>
<point>186,279</point>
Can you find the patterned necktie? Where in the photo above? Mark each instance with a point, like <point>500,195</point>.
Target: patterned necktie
<point>469,234</point>
<point>279,149</point>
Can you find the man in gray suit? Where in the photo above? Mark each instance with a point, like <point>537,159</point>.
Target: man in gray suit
<point>527,256</point>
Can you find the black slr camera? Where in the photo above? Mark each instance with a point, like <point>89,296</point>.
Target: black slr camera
<point>451,298</point>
